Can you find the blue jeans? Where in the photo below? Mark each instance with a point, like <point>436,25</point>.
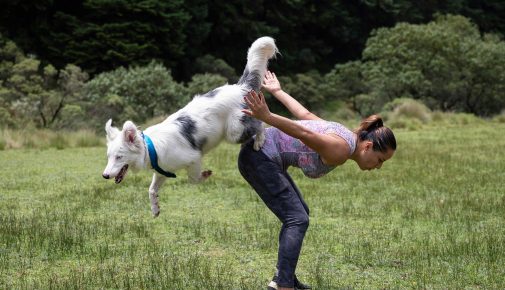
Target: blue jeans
<point>280,194</point>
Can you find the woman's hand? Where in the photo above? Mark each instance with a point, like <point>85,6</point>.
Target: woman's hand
<point>258,107</point>
<point>271,83</point>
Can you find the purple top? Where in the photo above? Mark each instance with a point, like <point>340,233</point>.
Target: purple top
<point>288,151</point>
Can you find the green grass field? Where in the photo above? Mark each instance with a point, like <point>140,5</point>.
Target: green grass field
<point>433,217</point>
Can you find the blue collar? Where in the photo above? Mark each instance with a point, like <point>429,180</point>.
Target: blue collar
<point>154,157</point>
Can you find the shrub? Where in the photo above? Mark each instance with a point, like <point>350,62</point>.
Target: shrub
<point>454,119</point>
<point>305,88</point>
<point>209,64</point>
<point>408,108</point>
<point>405,123</point>
<point>136,93</point>
<point>500,118</point>
<point>464,119</point>
<point>58,141</point>
<point>203,83</point>
<point>338,111</point>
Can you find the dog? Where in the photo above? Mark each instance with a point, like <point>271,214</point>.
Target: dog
<point>181,140</point>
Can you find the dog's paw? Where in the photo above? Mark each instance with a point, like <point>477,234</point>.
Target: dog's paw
<point>155,210</point>
<point>206,174</point>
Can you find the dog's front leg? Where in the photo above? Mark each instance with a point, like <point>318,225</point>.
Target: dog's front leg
<point>158,180</point>
<point>195,173</point>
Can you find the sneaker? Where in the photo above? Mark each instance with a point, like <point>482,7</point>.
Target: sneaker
<point>298,285</point>
<point>273,284</point>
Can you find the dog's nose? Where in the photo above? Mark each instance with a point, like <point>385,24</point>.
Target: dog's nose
<point>106,176</point>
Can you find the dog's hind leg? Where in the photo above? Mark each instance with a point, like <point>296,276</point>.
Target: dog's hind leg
<point>241,127</point>
<point>260,138</point>
<point>158,180</point>
<point>195,173</point>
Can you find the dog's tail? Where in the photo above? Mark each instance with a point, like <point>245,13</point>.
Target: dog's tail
<point>258,55</point>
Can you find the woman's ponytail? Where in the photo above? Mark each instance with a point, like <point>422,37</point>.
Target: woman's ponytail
<point>372,129</point>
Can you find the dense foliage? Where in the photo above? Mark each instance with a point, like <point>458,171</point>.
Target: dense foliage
<point>447,64</point>
<point>34,93</point>
<point>100,35</point>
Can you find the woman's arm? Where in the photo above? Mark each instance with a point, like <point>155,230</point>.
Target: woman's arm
<point>273,86</point>
<point>333,150</point>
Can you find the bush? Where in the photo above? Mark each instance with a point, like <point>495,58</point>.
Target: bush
<point>405,123</point>
<point>58,141</point>
<point>454,119</point>
<point>136,93</point>
<point>208,64</point>
<point>464,119</point>
<point>408,108</point>
<point>305,88</point>
<point>338,111</point>
<point>500,118</point>
<point>203,83</point>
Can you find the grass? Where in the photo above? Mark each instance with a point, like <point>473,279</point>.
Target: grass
<point>45,139</point>
<point>431,218</point>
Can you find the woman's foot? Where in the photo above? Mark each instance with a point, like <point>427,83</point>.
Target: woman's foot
<point>298,285</point>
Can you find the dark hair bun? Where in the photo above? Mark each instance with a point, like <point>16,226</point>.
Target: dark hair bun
<point>372,128</point>
<point>371,123</point>
<point>377,124</point>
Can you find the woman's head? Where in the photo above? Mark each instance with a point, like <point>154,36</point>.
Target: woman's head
<point>375,145</point>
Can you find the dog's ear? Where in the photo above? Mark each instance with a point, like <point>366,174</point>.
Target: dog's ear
<point>130,133</point>
<point>112,132</point>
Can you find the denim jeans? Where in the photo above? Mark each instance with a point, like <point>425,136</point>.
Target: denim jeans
<point>280,194</point>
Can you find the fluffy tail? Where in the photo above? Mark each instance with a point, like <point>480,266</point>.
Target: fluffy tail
<point>258,55</point>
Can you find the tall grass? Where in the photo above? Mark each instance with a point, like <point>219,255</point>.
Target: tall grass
<point>413,115</point>
<point>43,139</point>
<point>432,218</point>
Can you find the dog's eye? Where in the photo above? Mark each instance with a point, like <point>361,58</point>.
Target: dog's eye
<point>118,157</point>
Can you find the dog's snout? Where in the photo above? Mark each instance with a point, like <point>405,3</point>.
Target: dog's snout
<point>106,176</point>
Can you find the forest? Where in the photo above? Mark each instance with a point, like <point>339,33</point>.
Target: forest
<point>74,65</point>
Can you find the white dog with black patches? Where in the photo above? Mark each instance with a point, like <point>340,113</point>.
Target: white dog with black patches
<point>184,137</point>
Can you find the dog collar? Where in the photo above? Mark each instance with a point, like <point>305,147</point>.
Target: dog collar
<point>154,157</point>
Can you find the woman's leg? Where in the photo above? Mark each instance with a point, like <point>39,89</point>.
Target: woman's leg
<point>295,222</point>
<point>274,187</point>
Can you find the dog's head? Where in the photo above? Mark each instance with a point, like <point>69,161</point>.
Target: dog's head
<point>125,149</point>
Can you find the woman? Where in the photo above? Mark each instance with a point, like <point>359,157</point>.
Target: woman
<point>312,144</point>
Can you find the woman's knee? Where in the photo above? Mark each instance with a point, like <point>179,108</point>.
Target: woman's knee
<point>304,222</point>
<point>300,221</point>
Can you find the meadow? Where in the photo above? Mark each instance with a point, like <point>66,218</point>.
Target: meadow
<point>431,218</point>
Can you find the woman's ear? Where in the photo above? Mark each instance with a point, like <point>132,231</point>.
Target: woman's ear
<point>368,145</point>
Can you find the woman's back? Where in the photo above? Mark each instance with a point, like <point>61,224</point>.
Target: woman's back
<point>288,151</point>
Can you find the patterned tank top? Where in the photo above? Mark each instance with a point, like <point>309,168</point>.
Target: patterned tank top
<point>288,151</point>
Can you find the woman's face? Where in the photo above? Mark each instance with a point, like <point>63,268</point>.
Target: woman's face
<point>370,159</point>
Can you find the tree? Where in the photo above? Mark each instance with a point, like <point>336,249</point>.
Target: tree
<point>346,83</point>
<point>101,35</point>
<point>137,93</point>
<point>32,91</point>
<point>446,63</point>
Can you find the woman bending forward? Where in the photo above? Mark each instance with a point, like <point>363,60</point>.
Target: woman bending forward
<point>315,146</point>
